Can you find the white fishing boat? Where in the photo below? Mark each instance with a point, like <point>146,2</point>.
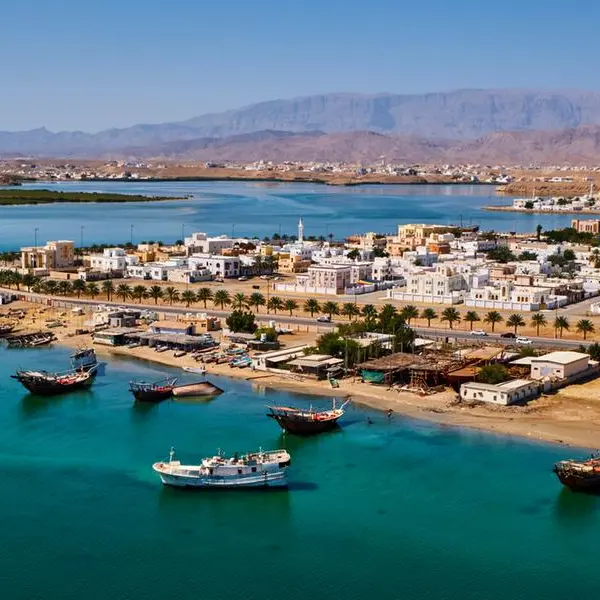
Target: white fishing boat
<point>196,370</point>
<point>254,470</point>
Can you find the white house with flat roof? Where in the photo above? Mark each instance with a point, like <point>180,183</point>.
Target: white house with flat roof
<point>505,393</point>
<point>559,365</point>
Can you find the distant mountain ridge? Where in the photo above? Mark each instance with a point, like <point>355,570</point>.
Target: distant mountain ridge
<point>465,116</point>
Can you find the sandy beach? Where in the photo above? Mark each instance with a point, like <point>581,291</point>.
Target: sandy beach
<point>570,417</point>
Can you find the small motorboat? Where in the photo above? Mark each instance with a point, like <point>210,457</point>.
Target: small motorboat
<point>154,391</point>
<point>196,370</point>
<point>200,388</point>
<point>253,470</point>
<point>179,353</point>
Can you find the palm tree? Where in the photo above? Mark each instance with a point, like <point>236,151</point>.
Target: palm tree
<point>492,318</point>
<point>275,303</point>
<point>369,312</point>
<point>409,312</point>
<point>350,310</point>
<point>108,287</point>
<point>429,314</point>
<point>64,288</point>
<point>221,298</point>
<point>204,295</point>
<point>585,326</point>
<point>239,301</point>
<point>50,287</point>
<point>312,306</point>
<point>560,324</point>
<point>29,281</point>
<point>450,315</point>
<point>471,317</point>
<point>538,320</point>
<point>156,293</point>
<point>387,313</point>
<point>330,308</point>
<point>290,305</point>
<point>123,291</point>
<point>189,297</point>
<point>78,287</point>
<point>256,300</point>
<point>91,289</point>
<point>515,320</point>
<point>139,293</point>
<point>16,279</point>
<point>171,294</point>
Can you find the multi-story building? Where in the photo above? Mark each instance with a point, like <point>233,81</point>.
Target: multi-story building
<point>200,243</point>
<point>112,259</point>
<point>292,264</point>
<point>506,295</point>
<point>586,225</point>
<point>54,255</point>
<point>442,285</point>
<point>217,265</point>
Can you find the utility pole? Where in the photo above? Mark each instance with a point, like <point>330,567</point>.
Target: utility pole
<point>183,232</point>
<point>131,234</point>
<point>35,232</point>
<point>81,237</point>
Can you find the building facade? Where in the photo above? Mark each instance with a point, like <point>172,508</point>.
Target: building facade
<point>54,255</point>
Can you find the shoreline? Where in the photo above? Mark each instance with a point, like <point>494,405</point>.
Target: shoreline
<point>493,208</point>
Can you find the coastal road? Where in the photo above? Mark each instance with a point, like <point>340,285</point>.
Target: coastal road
<point>438,333</point>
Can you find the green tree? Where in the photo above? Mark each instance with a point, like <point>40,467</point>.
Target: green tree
<point>538,320</point>
<point>92,290</point>
<point>515,321</point>
<point>538,232</point>
<point>124,292</point>
<point>139,293</point>
<point>429,314</point>
<point>290,305</point>
<point>275,303</point>
<point>171,294</point>
<point>241,321</point>
<point>330,308</point>
<point>239,301</point>
<point>108,287</point>
<point>353,254</point>
<point>387,316</point>
<point>189,297</point>
<point>350,310</point>
<point>471,317</point>
<point>501,254</point>
<point>451,316</point>
<point>156,293</point>
<point>593,350</point>
<point>409,312</point>
<point>50,287</point>
<point>369,313</point>
<point>561,324</point>
<point>493,318</point>
<point>257,300</point>
<point>568,254</point>
<point>204,295</point>
<point>585,326</point>
<point>529,205</point>
<point>64,288</point>
<point>527,255</point>
<point>312,306</point>
<point>78,287</point>
<point>493,374</point>
<point>222,298</point>
<point>29,281</point>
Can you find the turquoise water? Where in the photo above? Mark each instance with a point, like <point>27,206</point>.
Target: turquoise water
<point>400,509</point>
<point>257,209</point>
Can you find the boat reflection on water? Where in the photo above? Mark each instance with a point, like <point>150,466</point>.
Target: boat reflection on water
<point>574,509</point>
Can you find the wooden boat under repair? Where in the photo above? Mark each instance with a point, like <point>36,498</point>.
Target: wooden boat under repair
<point>306,422</point>
<point>43,383</point>
<point>153,391</point>
<point>200,388</point>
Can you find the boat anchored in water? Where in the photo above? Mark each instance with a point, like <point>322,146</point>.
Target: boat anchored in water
<point>579,475</point>
<point>306,422</point>
<point>253,470</point>
<point>154,391</point>
<point>44,383</point>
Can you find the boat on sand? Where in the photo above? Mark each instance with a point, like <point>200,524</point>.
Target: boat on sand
<point>306,422</point>
<point>253,470</point>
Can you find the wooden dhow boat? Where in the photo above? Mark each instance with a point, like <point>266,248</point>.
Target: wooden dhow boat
<point>253,470</point>
<point>306,422</point>
<point>154,391</point>
<point>43,383</point>
<point>579,475</point>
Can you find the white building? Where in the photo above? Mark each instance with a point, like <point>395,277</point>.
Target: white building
<point>505,295</point>
<point>440,286</point>
<point>217,265</point>
<point>148,271</point>
<point>112,259</point>
<point>508,392</point>
<point>200,243</point>
<point>559,365</point>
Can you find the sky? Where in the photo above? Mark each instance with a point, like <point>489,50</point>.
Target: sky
<point>89,65</point>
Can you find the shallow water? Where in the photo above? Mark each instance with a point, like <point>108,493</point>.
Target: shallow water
<point>259,209</point>
<point>400,509</point>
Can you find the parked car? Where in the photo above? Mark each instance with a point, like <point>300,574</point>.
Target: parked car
<point>242,278</point>
<point>524,341</point>
<point>509,334</point>
<point>324,319</point>
<point>478,332</point>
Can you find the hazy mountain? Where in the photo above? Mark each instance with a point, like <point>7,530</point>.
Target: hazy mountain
<point>460,115</point>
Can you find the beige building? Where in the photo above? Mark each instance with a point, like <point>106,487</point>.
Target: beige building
<point>54,255</point>
<point>440,286</point>
<point>337,277</point>
<point>559,365</point>
<point>508,392</point>
<point>586,225</point>
<point>411,236</point>
<point>292,264</point>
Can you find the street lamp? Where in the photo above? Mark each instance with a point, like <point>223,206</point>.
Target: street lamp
<point>35,232</point>
<point>131,234</point>
<point>81,237</point>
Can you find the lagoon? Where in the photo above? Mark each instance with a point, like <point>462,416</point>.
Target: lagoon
<point>400,509</point>
<point>256,208</point>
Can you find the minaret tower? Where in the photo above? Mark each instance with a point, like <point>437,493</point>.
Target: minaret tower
<point>300,231</point>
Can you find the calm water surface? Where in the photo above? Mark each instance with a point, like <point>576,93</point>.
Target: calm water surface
<point>390,511</point>
<point>256,209</point>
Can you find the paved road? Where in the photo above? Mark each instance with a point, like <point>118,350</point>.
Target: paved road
<point>283,319</point>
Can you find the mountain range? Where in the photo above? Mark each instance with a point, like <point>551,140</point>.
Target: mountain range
<point>476,125</point>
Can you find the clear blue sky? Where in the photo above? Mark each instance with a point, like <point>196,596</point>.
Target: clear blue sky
<point>86,65</point>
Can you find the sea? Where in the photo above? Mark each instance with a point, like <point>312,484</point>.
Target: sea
<point>256,209</point>
<point>388,509</point>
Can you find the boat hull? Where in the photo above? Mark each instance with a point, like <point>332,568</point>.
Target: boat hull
<point>261,480</point>
<point>151,395</point>
<point>44,388</point>
<point>305,427</point>
<point>191,390</point>
<point>578,482</point>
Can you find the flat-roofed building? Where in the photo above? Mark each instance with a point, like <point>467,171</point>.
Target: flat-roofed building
<point>508,392</point>
<point>559,365</point>
<point>58,254</point>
